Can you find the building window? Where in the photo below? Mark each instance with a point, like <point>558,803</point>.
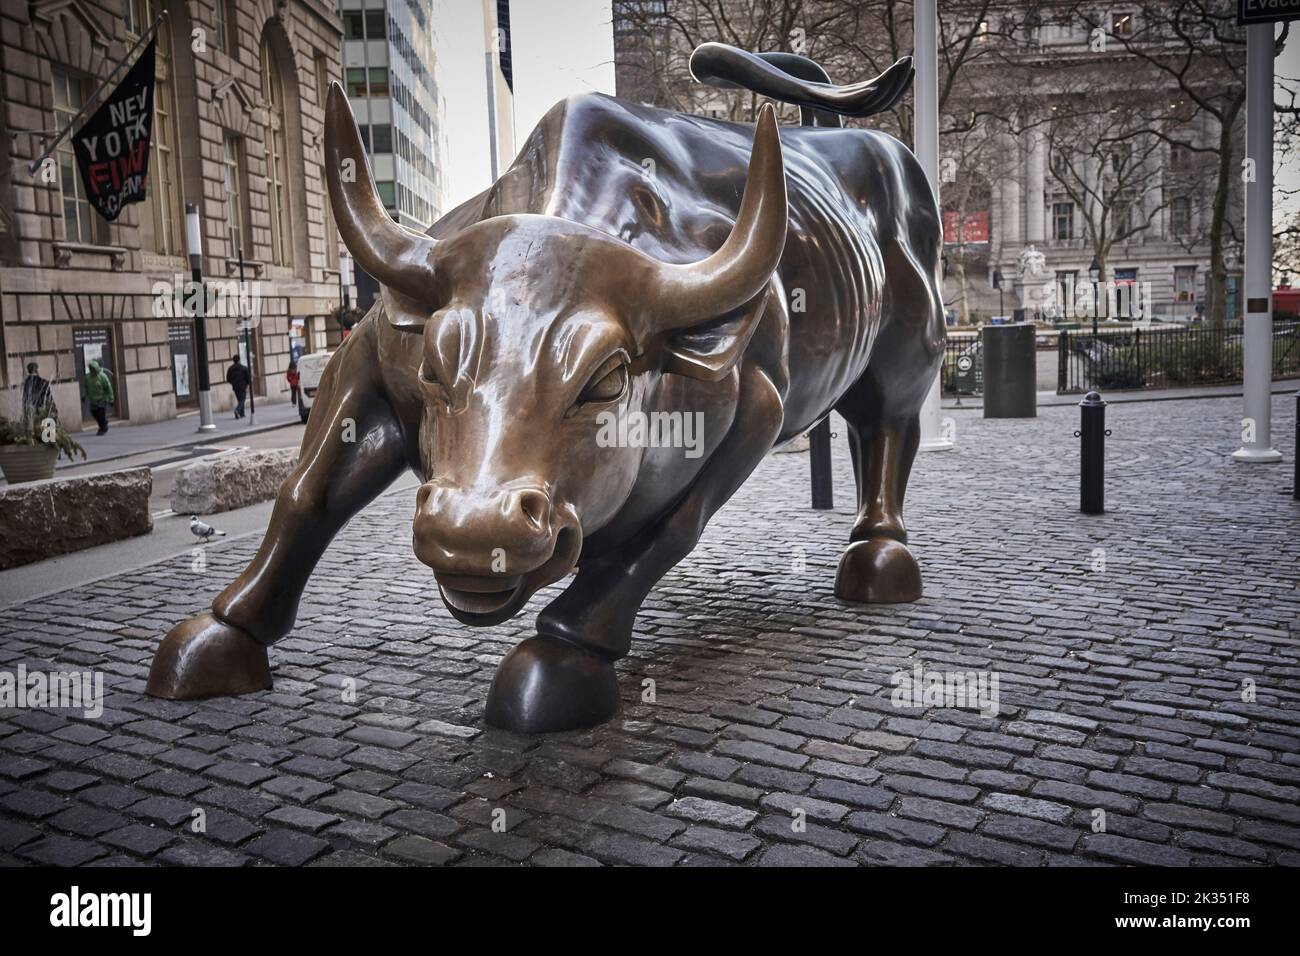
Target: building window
<point>220,24</point>
<point>1180,216</point>
<point>277,177</point>
<point>331,230</point>
<point>321,67</point>
<point>354,78</point>
<point>381,138</point>
<point>79,224</point>
<point>1062,220</point>
<point>1184,283</point>
<point>161,224</point>
<point>232,170</point>
<point>379,81</point>
<point>1122,25</point>
<point>367,25</point>
<point>135,17</point>
<point>387,194</point>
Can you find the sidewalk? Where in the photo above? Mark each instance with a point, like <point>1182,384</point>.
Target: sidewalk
<point>123,441</point>
<point>1281,387</point>
<point>1140,668</point>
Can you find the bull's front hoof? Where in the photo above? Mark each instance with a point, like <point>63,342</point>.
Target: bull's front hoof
<point>878,571</point>
<point>546,685</point>
<point>205,657</point>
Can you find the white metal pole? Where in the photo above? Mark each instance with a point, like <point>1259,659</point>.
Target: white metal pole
<point>1257,350</point>
<point>926,138</point>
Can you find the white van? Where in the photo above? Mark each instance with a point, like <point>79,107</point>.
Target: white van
<point>310,369</point>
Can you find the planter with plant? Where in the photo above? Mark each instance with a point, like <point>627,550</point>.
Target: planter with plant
<point>348,317</point>
<point>30,445</point>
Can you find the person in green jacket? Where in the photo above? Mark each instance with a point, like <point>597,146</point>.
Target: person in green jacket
<point>97,391</point>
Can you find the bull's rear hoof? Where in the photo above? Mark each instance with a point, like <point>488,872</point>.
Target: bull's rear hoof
<point>546,685</point>
<point>878,571</point>
<point>205,657</point>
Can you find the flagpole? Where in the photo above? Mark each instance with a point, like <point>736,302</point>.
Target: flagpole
<point>36,163</point>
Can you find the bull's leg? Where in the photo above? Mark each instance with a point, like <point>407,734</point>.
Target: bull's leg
<point>878,568</point>
<point>223,651</point>
<point>563,678</point>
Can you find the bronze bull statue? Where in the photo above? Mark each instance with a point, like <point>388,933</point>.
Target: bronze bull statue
<point>633,265</point>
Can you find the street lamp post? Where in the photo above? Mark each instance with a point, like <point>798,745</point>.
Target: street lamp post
<point>194,246</point>
<point>1094,273</point>
<point>1257,327</point>
<point>925,118</point>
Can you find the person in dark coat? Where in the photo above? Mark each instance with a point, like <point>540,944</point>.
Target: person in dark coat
<point>37,395</point>
<point>239,380</point>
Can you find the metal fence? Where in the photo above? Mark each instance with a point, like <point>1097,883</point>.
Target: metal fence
<point>963,366</point>
<point>1166,358</point>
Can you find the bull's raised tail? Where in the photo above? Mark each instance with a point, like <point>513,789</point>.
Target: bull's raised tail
<point>795,79</point>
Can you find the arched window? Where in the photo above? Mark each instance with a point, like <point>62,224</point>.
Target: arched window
<point>161,223</point>
<point>277,178</point>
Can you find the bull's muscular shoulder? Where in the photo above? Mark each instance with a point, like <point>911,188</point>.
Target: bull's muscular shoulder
<point>670,183</point>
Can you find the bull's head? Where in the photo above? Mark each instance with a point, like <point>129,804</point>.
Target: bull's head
<point>531,327</point>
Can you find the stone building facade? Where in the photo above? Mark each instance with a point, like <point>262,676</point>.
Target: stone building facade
<point>1012,206</point>
<point>237,130</point>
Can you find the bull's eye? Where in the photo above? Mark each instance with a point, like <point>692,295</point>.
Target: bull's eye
<point>608,384</point>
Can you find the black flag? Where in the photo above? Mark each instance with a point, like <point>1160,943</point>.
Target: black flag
<point>113,146</point>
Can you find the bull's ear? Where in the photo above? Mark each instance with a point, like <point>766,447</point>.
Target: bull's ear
<point>402,312</point>
<point>709,351</point>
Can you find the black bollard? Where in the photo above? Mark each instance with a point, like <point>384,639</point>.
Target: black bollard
<point>819,455</point>
<point>1295,481</point>
<point>1092,454</point>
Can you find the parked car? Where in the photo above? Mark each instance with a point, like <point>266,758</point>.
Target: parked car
<point>310,369</point>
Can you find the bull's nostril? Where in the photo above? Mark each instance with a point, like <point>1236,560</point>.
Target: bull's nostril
<point>536,506</point>
<point>422,497</point>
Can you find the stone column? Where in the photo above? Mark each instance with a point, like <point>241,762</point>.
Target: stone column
<point>1035,166</point>
<point>1011,211</point>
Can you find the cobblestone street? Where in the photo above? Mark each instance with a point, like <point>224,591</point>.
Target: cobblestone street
<point>1147,660</point>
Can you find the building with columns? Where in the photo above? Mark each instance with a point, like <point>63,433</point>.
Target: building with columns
<point>1027,197</point>
<point>239,95</point>
<point>1111,193</point>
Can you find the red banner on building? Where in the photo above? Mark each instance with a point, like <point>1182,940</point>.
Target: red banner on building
<point>973,229</point>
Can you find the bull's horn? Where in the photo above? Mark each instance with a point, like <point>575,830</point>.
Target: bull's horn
<point>738,271</point>
<point>393,254</point>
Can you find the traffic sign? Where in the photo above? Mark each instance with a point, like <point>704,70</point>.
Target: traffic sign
<point>1267,11</point>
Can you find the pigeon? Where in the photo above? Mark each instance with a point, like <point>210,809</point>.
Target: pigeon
<point>201,530</point>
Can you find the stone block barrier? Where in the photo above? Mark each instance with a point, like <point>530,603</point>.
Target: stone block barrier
<point>225,482</point>
<point>42,519</point>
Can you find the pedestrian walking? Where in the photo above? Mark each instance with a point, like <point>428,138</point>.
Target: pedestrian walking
<point>97,392</point>
<point>294,380</point>
<point>37,396</point>
<point>239,380</point>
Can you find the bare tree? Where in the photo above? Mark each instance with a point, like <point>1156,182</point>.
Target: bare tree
<point>1196,47</point>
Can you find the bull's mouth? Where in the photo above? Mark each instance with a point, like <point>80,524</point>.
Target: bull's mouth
<point>482,600</point>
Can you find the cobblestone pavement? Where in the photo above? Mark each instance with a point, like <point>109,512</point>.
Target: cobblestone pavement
<point>771,737</point>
